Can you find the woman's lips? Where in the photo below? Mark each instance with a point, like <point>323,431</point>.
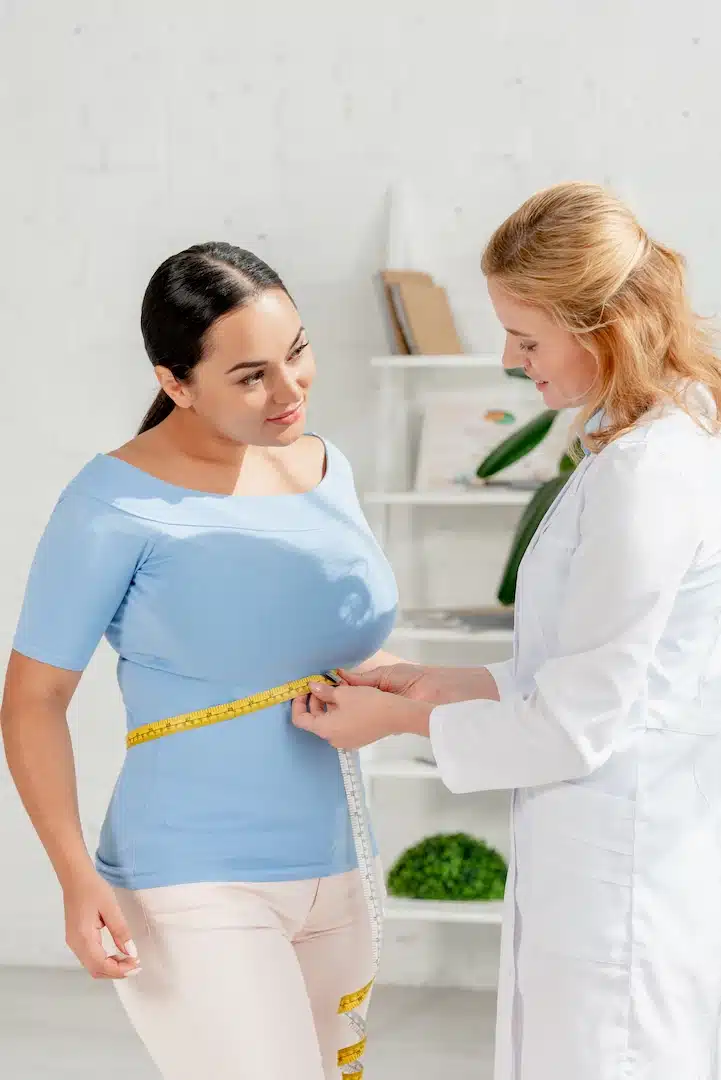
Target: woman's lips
<point>287,418</point>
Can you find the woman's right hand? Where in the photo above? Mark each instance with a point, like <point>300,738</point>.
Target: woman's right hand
<point>435,685</point>
<point>91,905</point>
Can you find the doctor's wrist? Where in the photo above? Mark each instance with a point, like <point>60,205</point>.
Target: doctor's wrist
<point>413,718</point>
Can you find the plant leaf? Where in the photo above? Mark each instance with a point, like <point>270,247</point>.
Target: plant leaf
<point>571,458</point>
<point>532,517</point>
<point>517,445</point>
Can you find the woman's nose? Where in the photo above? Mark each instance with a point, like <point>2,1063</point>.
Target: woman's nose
<point>286,388</point>
<point>510,358</point>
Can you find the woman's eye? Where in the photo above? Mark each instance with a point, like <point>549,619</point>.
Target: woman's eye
<point>251,380</point>
<point>527,346</point>
<point>297,352</point>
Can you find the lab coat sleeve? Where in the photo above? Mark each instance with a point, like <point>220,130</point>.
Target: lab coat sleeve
<point>502,674</point>
<point>638,534</point>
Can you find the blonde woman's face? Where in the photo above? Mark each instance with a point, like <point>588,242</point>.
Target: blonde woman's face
<point>551,356</point>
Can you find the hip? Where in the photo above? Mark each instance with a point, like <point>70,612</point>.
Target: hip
<point>183,817</point>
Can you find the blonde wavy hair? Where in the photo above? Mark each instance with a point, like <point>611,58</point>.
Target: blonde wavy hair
<point>578,253</point>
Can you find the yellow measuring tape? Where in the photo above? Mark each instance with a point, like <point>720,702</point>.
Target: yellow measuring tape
<point>216,713</point>
<point>349,1057</point>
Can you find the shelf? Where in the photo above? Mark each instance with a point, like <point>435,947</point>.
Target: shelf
<point>483,360</point>
<point>400,769</point>
<point>452,636</point>
<point>486,497</point>
<point>445,911</point>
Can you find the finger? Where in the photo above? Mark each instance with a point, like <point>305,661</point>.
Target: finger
<point>113,919</point>
<point>324,692</point>
<point>298,707</point>
<point>92,956</point>
<point>363,678</point>
<point>115,968</point>
<point>299,714</point>
<point>316,706</point>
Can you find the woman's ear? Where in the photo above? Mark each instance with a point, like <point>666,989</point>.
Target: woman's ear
<point>177,391</point>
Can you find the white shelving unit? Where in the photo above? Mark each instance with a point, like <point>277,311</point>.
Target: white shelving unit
<point>456,911</point>
<point>438,635</point>
<point>489,496</point>
<point>386,502</point>
<point>399,769</point>
<point>483,360</point>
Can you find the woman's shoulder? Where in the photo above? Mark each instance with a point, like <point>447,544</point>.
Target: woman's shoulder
<point>668,452</point>
<point>105,488</point>
<point>335,459</point>
<point>671,432</point>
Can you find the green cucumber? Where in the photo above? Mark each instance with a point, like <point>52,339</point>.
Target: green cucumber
<point>532,517</point>
<point>517,445</point>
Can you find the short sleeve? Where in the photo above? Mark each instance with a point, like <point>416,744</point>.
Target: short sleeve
<point>81,571</point>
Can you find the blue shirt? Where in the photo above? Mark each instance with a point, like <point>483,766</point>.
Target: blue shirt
<point>208,598</point>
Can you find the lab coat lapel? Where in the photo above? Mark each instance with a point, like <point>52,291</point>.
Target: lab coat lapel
<point>566,491</point>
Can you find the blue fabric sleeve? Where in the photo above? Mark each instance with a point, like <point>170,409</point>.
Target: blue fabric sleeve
<point>83,566</point>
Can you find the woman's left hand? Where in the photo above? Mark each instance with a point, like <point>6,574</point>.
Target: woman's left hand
<point>349,717</point>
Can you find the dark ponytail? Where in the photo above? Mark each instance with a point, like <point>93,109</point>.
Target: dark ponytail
<point>160,410</point>
<point>185,296</point>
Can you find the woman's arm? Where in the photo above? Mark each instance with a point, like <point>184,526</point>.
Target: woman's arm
<point>391,700</point>
<point>639,533</point>
<point>33,718</point>
<point>40,757</point>
<point>81,572</point>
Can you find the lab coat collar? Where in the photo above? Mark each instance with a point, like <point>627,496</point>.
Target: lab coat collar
<point>697,396</point>
<point>594,423</point>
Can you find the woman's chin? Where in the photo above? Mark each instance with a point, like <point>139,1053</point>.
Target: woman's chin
<point>552,398</point>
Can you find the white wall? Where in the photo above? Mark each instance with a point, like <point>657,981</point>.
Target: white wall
<point>128,130</point>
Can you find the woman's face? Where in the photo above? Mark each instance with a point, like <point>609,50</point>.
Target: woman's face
<point>563,371</point>
<point>252,384</point>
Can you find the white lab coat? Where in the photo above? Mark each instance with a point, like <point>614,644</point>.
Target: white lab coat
<point>609,730</point>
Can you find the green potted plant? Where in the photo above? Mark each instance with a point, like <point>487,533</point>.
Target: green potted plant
<point>512,449</point>
<point>453,866</point>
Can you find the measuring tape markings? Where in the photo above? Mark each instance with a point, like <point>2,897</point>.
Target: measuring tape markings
<point>349,1057</point>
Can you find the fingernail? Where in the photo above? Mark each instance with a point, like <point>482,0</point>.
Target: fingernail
<point>131,949</point>
<point>132,972</point>
<point>315,687</point>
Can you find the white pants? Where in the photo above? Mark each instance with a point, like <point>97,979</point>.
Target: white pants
<point>242,981</point>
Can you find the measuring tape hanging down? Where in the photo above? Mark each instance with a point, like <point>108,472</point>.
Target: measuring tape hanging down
<point>350,1058</point>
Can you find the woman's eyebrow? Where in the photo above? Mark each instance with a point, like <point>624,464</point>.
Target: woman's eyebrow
<point>259,363</point>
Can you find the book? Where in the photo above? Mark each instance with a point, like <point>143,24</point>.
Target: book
<point>427,313</point>
<point>419,314</point>
<point>390,279</point>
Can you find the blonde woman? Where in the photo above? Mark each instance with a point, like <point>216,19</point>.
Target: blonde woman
<point>607,721</point>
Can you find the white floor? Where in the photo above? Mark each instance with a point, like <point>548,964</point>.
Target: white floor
<point>60,1025</point>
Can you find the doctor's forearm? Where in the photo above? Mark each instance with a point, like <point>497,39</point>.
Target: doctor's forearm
<point>452,685</point>
<point>446,685</point>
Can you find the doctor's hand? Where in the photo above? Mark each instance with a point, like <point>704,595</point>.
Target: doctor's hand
<point>349,717</point>
<point>436,685</point>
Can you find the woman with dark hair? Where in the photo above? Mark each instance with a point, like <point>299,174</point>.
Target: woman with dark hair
<point>222,552</point>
